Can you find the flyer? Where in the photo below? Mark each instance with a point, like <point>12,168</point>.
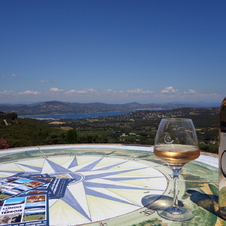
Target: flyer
<point>15,185</point>
<point>24,197</point>
<point>21,183</point>
<point>22,211</point>
<point>54,185</point>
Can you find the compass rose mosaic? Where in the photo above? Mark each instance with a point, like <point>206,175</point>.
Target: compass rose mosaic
<point>100,185</point>
<point>91,188</point>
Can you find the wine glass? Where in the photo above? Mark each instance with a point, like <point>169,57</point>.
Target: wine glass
<point>176,143</point>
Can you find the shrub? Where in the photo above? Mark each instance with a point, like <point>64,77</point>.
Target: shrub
<point>71,136</point>
<point>3,144</point>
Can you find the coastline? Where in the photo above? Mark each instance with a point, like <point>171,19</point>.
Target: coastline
<point>75,116</point>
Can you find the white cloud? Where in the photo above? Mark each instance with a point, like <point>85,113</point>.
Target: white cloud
<point>28,92</point>
<point>170,93</point>
<point>56,90</point>
<point>190,91</point>
<point>84,91</point>
<point>109,96</point>
<point>14,75</point>
<point>205,95</point>
<point>7,92</point>
<point>2,76</point>
<point>109,92</point>
<point>169,90</point>
<point>139,91</point>
<point>196,95</point>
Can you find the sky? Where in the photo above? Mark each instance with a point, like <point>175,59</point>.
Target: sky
<point>112,51</point>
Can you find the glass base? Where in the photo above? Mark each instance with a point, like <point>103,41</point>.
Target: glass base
<point>176,214</point>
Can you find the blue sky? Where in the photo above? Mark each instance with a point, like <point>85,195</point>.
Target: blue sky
<point>112,51</point>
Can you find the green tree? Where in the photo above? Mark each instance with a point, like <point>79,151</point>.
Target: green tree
<point>82,139</point>
<point>71,136</point>
<point>53,138</point>
<point>12,116</point>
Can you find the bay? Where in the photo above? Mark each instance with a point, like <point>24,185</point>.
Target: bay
<point>77,116</point>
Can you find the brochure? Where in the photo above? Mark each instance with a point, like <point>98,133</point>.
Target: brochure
<point>24,197</point>
<point>31,209</point>
<point>15,185</point>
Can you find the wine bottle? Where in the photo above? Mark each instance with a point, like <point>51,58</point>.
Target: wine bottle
<point>222,160</point>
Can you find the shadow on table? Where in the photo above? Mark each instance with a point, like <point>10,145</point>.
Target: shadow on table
<point>207,202</point>
<point>158,202</point>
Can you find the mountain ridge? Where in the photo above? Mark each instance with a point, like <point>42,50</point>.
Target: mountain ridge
<point>58,107</point>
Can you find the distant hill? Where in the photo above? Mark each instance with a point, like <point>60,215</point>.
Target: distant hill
<point>57,107</point>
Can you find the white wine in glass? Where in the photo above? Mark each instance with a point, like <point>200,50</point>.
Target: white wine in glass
<point>176,143</point>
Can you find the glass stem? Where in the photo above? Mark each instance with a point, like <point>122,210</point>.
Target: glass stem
<point>176,172</point>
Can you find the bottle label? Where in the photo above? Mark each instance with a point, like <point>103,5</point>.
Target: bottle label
<point>223,163</point>
<point>223,148</point>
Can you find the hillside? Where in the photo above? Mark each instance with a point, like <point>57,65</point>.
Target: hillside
<point>138,127</point>
<point>57,107</point>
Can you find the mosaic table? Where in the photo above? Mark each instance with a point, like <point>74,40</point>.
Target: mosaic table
<point>113,185</point>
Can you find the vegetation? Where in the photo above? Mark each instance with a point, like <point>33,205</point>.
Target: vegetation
<point>138,127</point>
<point>21,132</point>
<point>71,136</point>
<point>3,144</point>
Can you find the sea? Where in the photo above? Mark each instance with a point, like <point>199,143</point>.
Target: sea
<point>77,116</point>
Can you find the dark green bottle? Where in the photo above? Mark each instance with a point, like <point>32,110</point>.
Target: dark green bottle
<point>222,160</point>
